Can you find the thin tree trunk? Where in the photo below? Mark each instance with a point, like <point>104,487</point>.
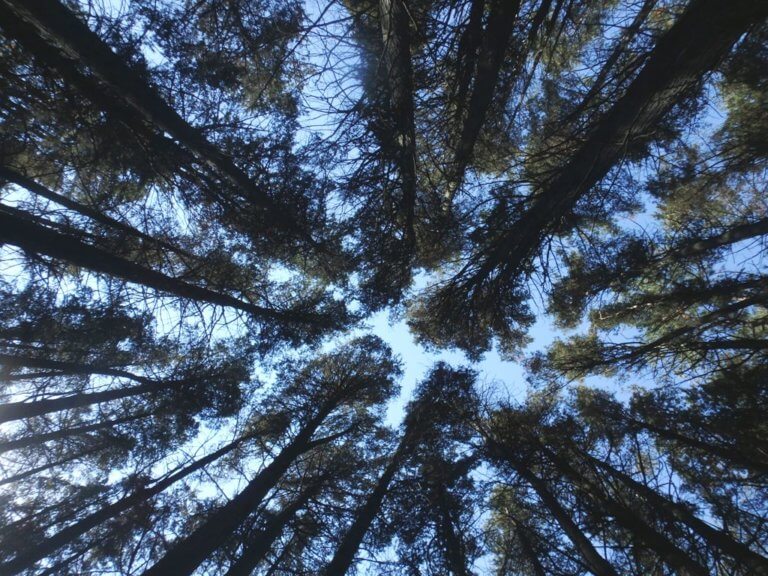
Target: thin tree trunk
<point>11,175</point>
<point>502,18</point>
<point>396,37</point>
<point>528,551</point>
<point>26,232</point>
<point>596,563</point>
<point>727,453</point>
<point>55,23</point>
<point>49,466</point>
<point>21,410</point>
<point>345,553</point>
<point>593,560</point>
<point>679,559</point>
<point>36,439</point>
<point>627,35</point>
<point>261,541</point>
<point>69,368</point>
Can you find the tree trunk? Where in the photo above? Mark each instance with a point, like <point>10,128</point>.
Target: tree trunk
<point>596,563</point>
<point>102,218</point>
<point>715,538</point>
<point>20,410</point>
<point>26,559</point>
<point>186,555</point>
<point>58,25</point>
<point>49,466</point>
<point>593,560</point>
<point>679,559</point>
<point>345,554</point>
<point>694,45</point>
<point>728,453</point>
<point>28,233</point>
<point>27,441</point>
<point>396,38</point>
<point>502,18</point>
<point>262,540</point>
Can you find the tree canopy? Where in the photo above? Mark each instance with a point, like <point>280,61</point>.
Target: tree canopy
<point>203,204</point>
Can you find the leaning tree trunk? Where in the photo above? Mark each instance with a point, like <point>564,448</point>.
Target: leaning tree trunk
<point>263,539</point>
<point>675,511</point>
<point>693,46</point>
<point>25,560</point>
<point>190,552</point>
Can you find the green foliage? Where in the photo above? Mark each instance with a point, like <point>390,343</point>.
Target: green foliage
<point>202,202</point>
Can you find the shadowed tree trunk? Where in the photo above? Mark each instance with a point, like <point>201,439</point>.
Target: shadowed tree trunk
<point>502,18</point>
<point>695,44</point>
<point>396,37</point>
<point>345,553</point>
<point>262,540</point>
<point>676,511</point>
<point>679,559</point>
<point>27,232</point>
<point>59,26</point>
<point>185,556</point>
<point>36,439</point>
<point>26,559</point>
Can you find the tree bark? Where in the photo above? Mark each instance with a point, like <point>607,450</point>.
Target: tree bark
<point>26,559</point>
<point>693,46</point>
<point>190,552</point>
<point>756,563</point>
<point>396,37</point>
<point>679,559</point>
<point>262,541</point>
<point>345,554</point>
<point>36,439</point>
<point>55,23</point>
<point>27,232</point>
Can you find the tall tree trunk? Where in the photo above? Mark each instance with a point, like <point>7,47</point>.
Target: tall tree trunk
<point>694,45</point>
<point>14,177</point>
<point>528,551</point>
<point>502,18</point>
<point>596,563</point>
<point>26,559</point>
<point>396,37</point>
<point>345,554</point>
<point>21,410</point>
<point>55,23</point>
<point>454,549</point>
<point>679,559</point>
<point>36,439</point>
<point>29,233</point>
<point>49,466</point>
<point>186,555</point>
<point>262,540</point>
<point>715,538</point>
<point>626,36</point>
<point>593,560</point>
<point>728,453</point>
<point>69,368</point>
